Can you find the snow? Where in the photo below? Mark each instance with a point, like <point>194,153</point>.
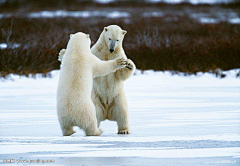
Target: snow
<point>5,15</point>
<point>153,14</point>
<point>84,14</point>
<point>13,46</point>
<point>208,20</point>
<point>192,1</point>
<point>104,1</point>
<point>166,1</point>
<point>212,18</point>
<point>174,120</point>
<point>234,20</point>
<point>3,45</point>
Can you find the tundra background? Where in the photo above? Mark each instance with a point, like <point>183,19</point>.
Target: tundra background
<point>180,37</point>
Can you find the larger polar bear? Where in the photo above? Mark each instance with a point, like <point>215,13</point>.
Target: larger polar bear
<point>108,91</point>
<point>79,67</point>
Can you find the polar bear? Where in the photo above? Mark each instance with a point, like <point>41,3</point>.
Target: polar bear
<point>79,67</point>
<point>108,92</point>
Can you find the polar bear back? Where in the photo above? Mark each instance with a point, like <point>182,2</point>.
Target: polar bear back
<point>76,72</point>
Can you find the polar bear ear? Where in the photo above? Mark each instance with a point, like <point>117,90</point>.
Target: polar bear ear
<point>71,35</point>
<point>105,28</point>
<point>124,32</point>
<point>88,36</point>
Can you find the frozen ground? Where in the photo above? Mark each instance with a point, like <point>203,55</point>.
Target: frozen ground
<point>174,120</point>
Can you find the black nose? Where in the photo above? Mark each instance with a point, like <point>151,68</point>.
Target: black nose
<point>111,50</point>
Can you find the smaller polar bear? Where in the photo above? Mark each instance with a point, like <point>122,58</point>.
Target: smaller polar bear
<point>79,67</point>
<point>108,92</point>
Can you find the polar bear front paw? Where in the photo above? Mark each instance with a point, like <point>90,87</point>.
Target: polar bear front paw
<point>121,62</point>
<point>124,131</point>
<point>129,66</point>
<point>61,53</point>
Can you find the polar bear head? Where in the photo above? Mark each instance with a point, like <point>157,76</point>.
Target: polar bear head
<point>113,36</point>
<point>79,41</point>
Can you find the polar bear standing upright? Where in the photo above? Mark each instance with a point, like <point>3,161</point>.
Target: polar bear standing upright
<point>108,91</point>
<point>79,67</point>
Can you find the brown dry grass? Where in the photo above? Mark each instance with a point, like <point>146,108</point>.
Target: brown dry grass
<point>181,44</point>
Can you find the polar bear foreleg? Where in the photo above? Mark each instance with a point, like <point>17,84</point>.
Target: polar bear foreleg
<point>102,68</point>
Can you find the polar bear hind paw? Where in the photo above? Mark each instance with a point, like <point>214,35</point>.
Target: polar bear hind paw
<point>124,132</point>
<point>68,133</point>
<point>98,132</point>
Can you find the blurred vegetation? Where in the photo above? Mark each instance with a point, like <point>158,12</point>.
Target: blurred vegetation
<point>80,4</point>
<point>172,42</point>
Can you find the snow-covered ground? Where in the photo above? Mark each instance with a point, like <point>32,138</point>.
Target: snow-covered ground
<point>175,120</point>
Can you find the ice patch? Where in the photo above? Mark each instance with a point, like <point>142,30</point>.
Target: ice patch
<point>230,137</point>
<point>176,153</point>
<point>16,148</point>
<point>107,139</point>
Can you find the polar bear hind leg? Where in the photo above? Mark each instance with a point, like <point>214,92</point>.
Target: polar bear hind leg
<point>87,120</point>
<point>101,114</point>
<point>66,126</point>
<point>120,113</point>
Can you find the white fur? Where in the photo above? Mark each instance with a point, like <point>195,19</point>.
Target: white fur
<point>79,67</point>
<point>108,91</point>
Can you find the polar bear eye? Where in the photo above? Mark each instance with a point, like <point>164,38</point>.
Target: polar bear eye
<point>117,40</point>
<point>110,39</point>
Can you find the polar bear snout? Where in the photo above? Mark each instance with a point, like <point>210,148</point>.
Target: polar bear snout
<point>112,46</point>
<point>111,50</point>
